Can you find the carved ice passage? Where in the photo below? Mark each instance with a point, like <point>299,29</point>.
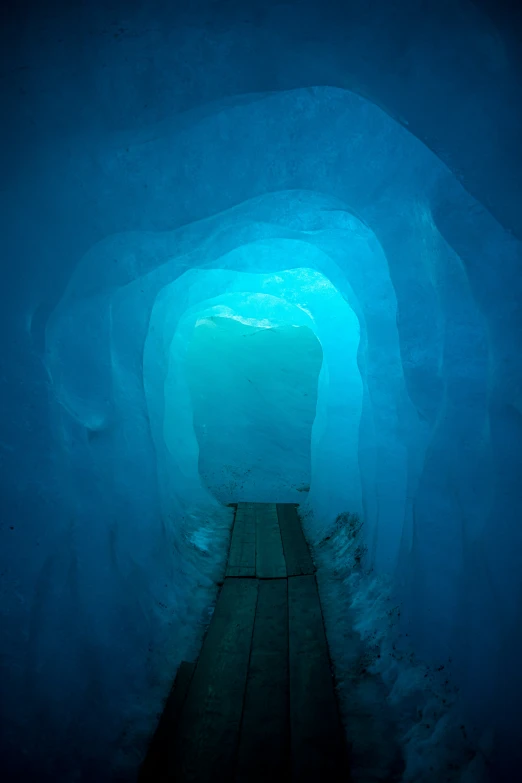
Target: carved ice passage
<point>310,210</point>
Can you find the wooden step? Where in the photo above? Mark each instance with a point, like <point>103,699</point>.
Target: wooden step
<point>264,746</point>
<point>270,559</point>
<point>297,554</point>
<point>205,747</point>
<point>318,745</point>
<point>242,555</point>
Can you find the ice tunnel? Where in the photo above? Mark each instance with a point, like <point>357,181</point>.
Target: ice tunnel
<point>261,252</point>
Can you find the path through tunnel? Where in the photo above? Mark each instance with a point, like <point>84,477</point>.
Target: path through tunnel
<point>261,253</point>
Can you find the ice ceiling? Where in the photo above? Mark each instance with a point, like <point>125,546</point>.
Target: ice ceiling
<point>285,202</point>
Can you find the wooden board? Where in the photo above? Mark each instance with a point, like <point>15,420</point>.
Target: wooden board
<point>264,747</point>
<point>205,747</point>
<point>297,555</point>
<point>318,745</point>
<point>242,555</point>
<point>270,560</point>
<point>155,767</point>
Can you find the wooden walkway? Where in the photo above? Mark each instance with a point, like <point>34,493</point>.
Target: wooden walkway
<point>259,703</point>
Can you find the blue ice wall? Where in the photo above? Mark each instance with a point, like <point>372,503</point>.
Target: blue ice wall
<point>141,142</point>
<point>254,396</point>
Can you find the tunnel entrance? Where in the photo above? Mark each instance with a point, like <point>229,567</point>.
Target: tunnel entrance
<point>254,397</point>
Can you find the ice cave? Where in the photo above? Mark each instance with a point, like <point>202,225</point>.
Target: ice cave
<point>261,253</point>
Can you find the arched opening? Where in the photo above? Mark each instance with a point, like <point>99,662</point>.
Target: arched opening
<point>254,394</point>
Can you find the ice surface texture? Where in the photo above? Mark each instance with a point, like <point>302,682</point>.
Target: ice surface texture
<point>112,562</point>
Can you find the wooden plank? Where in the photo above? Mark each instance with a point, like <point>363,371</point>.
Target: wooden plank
<point>318,746</point>
<point>264,747</point>
<point>154,769</point>
<point>270,560</point>
<point>240,571</point>
<point>297,555</point>
<point>205,746</point>
<point>242,555</point>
